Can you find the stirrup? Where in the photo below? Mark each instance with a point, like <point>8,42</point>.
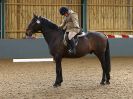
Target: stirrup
<point>72,51</point>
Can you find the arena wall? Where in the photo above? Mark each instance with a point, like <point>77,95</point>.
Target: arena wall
<point>37,48</point>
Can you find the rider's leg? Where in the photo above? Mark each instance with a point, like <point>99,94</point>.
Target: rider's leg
<point>71,36</point>
<point>72,49</point>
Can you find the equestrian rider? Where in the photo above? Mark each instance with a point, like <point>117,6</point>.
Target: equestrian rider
<point>71,25</point>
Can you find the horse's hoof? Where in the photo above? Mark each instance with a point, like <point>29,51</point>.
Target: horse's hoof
<point>102,83</point>
<point>107,82</point>
<point>57,85</point>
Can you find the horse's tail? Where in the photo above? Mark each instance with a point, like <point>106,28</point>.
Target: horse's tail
<point>107,58</point>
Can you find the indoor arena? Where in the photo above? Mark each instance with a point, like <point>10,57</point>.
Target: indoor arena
<point>41,60</point>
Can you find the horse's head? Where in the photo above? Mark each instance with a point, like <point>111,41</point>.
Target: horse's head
<point>34,26</point>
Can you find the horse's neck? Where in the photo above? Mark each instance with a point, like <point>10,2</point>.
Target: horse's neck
<point>51,32</point>
<point>52,36</point>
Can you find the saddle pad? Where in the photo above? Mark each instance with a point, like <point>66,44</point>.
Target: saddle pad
<point>82,34</point>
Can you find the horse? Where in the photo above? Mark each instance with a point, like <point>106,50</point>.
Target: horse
<point>92,42</point>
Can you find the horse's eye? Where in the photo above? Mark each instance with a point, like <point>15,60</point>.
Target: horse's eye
<point>38,22</point>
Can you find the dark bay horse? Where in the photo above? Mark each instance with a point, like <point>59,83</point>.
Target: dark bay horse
<point>92,42</point>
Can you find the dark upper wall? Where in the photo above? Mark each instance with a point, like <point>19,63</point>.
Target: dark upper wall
<point>38,48</point>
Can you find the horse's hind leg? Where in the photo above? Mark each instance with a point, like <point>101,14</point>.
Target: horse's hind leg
<point>108,64</point>
<point>107,74</point>
<point>107,78</point>
<point>101,57</point>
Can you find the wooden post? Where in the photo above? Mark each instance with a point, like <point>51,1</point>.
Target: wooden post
<point>2,19</point>
<point>129,15</point>
<point>18,18</point>
<point>84,15</point>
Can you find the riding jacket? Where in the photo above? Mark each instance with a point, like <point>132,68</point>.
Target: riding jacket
<point>71,24</point>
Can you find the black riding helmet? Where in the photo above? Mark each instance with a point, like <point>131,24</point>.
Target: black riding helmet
<point>63,10</point>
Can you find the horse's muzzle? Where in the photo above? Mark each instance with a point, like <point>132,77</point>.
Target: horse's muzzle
<point>28,33</point>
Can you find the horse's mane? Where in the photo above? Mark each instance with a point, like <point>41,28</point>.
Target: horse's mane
<point>50,24</point>
<point>53,27</point>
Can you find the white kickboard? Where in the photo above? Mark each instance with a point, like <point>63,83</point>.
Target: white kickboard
<point>33,60</point>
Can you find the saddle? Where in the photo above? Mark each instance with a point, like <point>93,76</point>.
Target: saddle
<point>76,37</point>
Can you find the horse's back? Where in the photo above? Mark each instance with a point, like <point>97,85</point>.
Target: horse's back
<point>96,35</point>
<point>97,41</point>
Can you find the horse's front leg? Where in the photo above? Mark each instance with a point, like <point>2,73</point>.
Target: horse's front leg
<point>59,78</point>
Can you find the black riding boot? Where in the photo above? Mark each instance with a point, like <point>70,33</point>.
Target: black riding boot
<point>72,49</point>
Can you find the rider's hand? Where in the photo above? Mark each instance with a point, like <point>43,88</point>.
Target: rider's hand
<point>60,26</point>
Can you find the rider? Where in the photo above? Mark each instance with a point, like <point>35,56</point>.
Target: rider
<point>71,25</point>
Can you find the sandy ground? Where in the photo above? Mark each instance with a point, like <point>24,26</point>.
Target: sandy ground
<point>81,80</point>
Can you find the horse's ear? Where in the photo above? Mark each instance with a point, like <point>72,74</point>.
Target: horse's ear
<point>39,17</point>
<point>34,15</point>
